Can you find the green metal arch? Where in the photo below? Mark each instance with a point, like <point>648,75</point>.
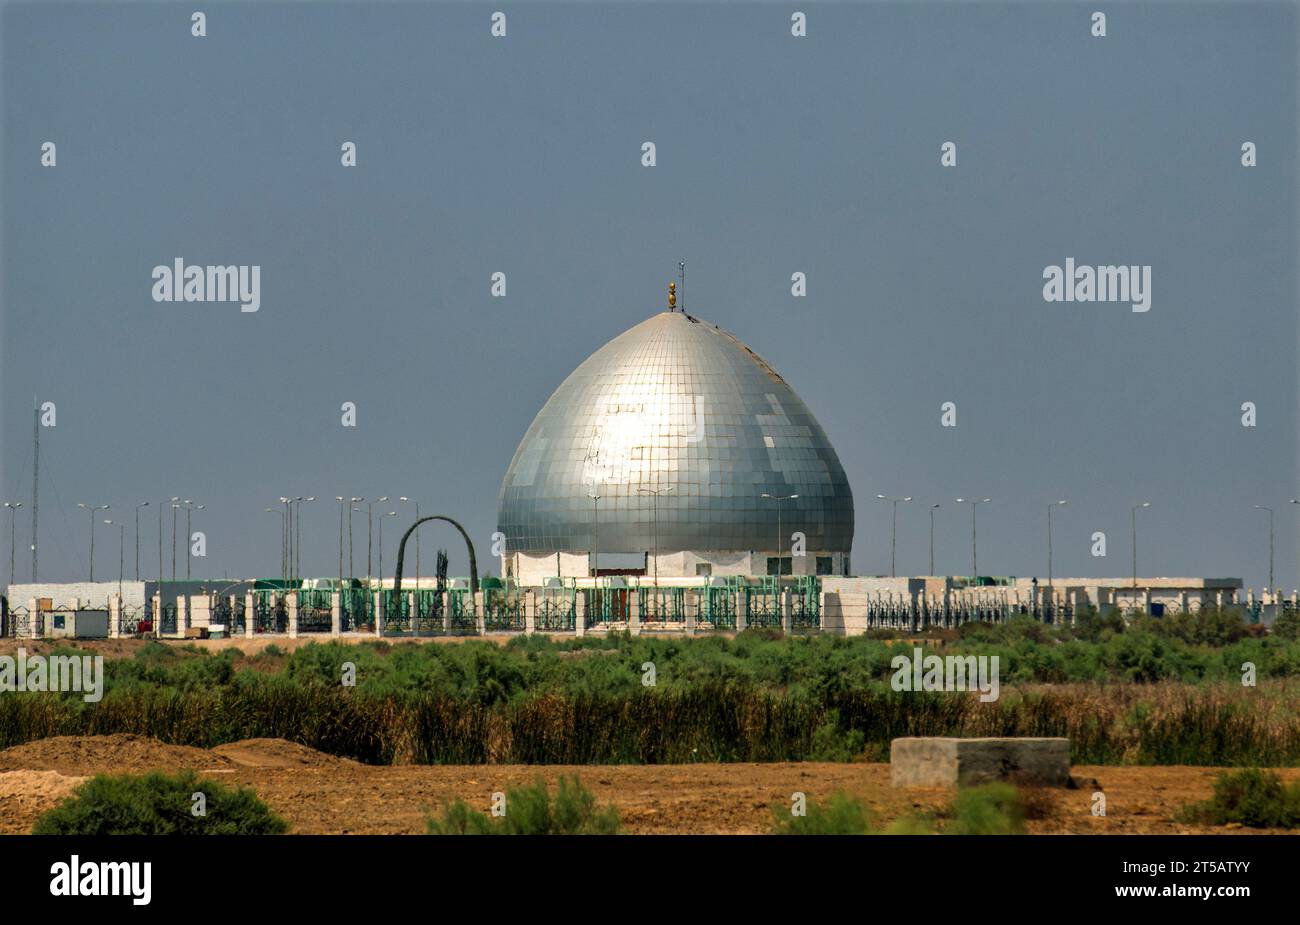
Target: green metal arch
<point>469,544</point>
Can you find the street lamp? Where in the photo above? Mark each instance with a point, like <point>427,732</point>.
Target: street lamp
<point>1295,500</point>
<point>190,507</point>
<point>933,508</point>
<point>295,537</point>
<point>351,571</point>
<point>137,537</point>
<point>381,544</point>
<point>370,530</point>
<point>1054,504</point>
<point>89,509</point>
<point>292,535</point>
<point>13,507</point>
<point>286,540</point>
<point>340,499</point>
<point>1134,513</point>
<point>595,530</point>
<point>893,531</point>
<point>780,532</point>
<point>974,566</point>
<point>656,492</point>
<point>350,516</point>
<point>1260,507</point>
<point>175,507</point>
<point>161,573</point>
<point>297,541</point>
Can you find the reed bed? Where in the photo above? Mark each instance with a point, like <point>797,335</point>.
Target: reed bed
<point>1218,724</point>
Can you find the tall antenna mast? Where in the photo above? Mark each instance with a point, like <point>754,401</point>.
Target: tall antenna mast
<point>36,469</point>
<point>681,265</point>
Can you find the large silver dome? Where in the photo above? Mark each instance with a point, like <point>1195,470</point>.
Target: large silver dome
<point>678,405</point>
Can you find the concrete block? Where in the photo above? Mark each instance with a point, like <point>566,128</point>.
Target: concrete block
<point>949,762</point>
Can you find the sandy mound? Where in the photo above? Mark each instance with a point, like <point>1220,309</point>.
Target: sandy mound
<point>111,754</point>
<point>277,753</point>
<point>25,795</point>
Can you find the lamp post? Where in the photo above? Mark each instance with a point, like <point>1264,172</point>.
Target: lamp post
<point>1295,500</point>
<point>286,534</point>
<point>293,542</point>
<point>12,507</point>
<point>381,544</point>
<point>293,535</point>
<point>1054,504</point>
<point>340,499</point>
<point>1134,512</point>
<point>137,537</point>
<point>595,534</point>
<point>780,531</point>
<point>357,510</point>
<point>370,529</point>
<point>656,492</point>
<point>974,562</point>
<point>175,507</point>
<point>351,571</point>
<point>190,507</point>
<point>933,507</point>
<point>893,530</point>
<point>1260,507</point>
<point>162,574</point>
<point>91,510</point>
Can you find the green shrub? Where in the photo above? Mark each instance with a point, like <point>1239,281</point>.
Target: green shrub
<point>841,815</point>
<point>159,804</point>
<point>531,810</point>
<point>830,743</point>
<point>1287,626</point>
<point>993,809</point>
<point>1250,797</point>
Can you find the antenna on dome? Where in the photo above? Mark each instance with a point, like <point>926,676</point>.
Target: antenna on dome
<point>681,266</point>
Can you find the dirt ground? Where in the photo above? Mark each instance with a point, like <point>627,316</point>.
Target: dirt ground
<point>323,794</point>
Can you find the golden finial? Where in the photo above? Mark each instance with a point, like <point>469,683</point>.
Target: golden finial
<point>672,296</point>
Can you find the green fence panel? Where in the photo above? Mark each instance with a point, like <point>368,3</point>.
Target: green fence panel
<point>503,610</point>
<point>557,609</point>
<point>661,605</point>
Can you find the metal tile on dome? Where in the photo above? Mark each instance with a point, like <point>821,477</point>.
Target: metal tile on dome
<point>683,408</point>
